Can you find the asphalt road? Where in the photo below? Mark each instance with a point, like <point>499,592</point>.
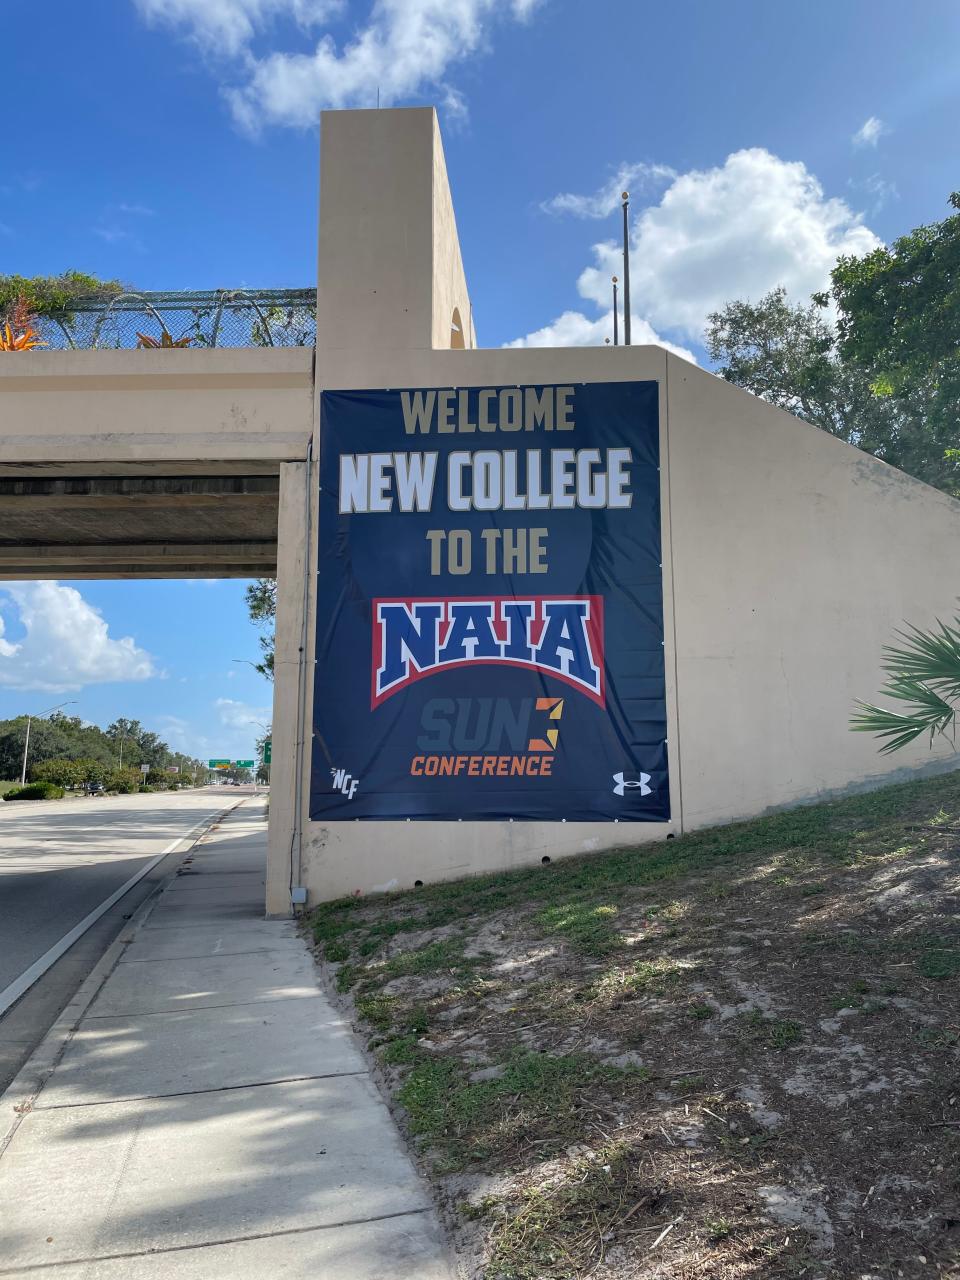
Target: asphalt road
<point>59,861</point>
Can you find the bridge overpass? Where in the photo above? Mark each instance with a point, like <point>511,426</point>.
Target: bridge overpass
<point>788,557</point>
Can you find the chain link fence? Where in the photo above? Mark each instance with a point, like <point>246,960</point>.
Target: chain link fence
<point>208,318</point>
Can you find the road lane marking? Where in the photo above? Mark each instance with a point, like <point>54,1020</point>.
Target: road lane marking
<point>11,994</point>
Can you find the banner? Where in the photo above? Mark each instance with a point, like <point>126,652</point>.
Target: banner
<point>489,640</point>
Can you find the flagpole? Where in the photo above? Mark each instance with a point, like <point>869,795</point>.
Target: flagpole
<point>626,269</point>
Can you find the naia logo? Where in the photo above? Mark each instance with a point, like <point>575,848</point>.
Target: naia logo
<point>561,636</point>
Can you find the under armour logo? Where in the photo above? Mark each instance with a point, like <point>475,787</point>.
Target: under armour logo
<point>620,786</point>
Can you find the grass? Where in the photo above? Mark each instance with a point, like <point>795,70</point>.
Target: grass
<point>588,927</point>
<point>939,963</point>
<point>7,786</point>
<point>771,1033</point>
<point>508,1039</point>
<point>577,897</point>
<point>434,958</point>
<point>534,1099</point>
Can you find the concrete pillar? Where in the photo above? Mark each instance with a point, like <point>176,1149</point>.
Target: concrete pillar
<point>289,688</point>
<point>390,274</point>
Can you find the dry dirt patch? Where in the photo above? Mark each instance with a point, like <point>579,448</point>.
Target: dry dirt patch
<point>730,1055</point>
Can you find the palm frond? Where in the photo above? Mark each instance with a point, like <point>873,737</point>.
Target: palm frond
<point>927,713</point>
<point>931,657</point>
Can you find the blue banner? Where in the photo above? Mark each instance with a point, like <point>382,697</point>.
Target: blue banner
<point>489,638</point>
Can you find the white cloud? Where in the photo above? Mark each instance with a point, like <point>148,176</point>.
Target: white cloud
<point>404,48</point>
<point>574,329</point>
<point>173,724</point>
<point>881,189</point>
<point>240,715</point>
<point>66,644</point>
<point>229,729</point>
<point>227,27</point>
<point>869,133</point>
<point>734,231</point>
<point>602,202</point>
<point>114,235</point>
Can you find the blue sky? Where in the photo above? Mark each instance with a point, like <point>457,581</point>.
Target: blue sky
<point>170,143</point>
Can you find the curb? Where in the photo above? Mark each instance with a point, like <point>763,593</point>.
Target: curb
<point>17,1100</point>
<point>74,799</point>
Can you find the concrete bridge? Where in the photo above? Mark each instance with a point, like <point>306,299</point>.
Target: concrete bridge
<point>788,556</point>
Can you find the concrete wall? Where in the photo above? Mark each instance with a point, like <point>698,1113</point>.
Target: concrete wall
<point>390,272</point>
<point>290,724</point>
<point>789,558</point>
<point>117,412</point>
<point>450,296</point>
<point>794,556</point>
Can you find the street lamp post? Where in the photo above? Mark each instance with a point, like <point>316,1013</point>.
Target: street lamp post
<point>26,741</point>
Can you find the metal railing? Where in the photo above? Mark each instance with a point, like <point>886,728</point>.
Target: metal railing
<point>192,318</point>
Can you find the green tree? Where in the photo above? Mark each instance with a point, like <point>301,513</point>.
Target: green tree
<point>263,769</point>
<point>61,737</point>
<point>886,376</point>
<point>261,600</point>
<point>236,775</point>
<point>92,770</point>
<point>125,736</point>
<point>899,312</point>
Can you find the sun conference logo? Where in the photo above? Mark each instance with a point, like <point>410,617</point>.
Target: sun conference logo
<point>458,727</point>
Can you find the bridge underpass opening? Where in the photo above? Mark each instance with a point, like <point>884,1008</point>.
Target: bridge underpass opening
<point>144,525</point>
<point>191,530</point>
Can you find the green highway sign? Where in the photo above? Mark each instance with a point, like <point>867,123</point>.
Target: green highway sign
<point>219,764</point>
<point>244,764</point>
<point>267,750</point>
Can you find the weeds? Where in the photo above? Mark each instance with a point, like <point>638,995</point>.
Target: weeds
<point>531,1107</point>
<point>774,1033</point>
<point>561,1230</point>
<point>588,927</point>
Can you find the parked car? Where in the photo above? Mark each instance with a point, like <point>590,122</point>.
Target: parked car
<point>94,788</point>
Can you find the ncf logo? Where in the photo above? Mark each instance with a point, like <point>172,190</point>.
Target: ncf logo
<point>561,636</point>
<point>344,782</point>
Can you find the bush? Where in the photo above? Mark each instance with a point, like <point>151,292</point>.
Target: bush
<point>60,771</point>
<point>35,791</point>
<point>173,786</point>
<point>126,781</point>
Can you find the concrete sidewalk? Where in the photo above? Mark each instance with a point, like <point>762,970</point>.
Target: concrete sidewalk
<point>211,1116</point>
